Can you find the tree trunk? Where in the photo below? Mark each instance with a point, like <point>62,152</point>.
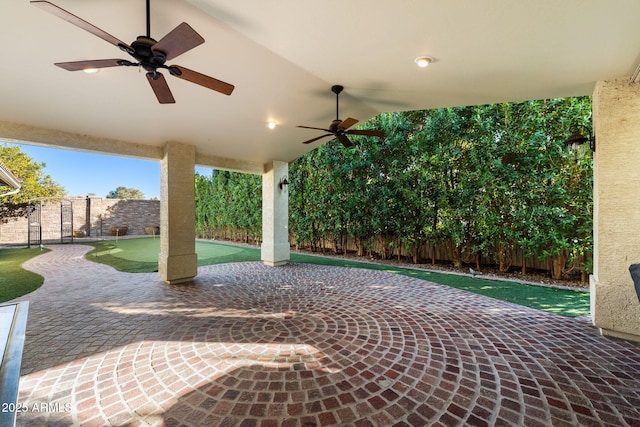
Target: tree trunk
<point>505,258</point>
<point>383,248</point>
<point>557,266</point>
<point>359,246</point>
<point>456,255</point>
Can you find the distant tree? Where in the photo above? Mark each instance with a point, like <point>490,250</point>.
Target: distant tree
<point>125,193</point>
<point>34,182</point>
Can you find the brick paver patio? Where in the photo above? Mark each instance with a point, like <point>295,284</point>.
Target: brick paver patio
<point>306,345</point>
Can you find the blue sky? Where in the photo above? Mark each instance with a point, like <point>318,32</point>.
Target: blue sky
<point>85,173</point>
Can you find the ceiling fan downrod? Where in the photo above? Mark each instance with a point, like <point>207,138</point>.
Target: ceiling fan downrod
<point>148,19</point>
<point>336,89</point>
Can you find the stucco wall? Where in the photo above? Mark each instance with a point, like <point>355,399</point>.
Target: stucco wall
<point>95,216</point>
<point>616,111</point>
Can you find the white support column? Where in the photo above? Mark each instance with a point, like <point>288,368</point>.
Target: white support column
<point>275,214</point>
<point>178,261</point>
<point>615,307</point>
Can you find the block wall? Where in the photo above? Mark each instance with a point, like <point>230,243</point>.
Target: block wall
<point>94,216</point>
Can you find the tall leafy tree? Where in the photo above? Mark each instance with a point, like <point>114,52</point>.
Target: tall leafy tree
<point>204,199</point>
<point>34,182</point>
<point>229,205</point>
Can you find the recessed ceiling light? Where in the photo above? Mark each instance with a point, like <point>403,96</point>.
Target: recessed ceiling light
<point>423,61</point>
<point>272,124</point>
<point>91,70</point>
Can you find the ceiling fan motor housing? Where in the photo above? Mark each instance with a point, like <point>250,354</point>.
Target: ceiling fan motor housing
<point>335,126</point>
<point>149,58</point>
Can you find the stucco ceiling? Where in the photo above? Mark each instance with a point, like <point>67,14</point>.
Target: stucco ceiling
<point>284,55</point>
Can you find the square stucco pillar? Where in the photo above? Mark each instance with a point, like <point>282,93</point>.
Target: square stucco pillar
<point>615,307</point>
<point>275,215</point>
<point>178,261</point>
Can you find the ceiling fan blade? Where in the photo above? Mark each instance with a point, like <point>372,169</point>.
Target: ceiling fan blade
<point>87,65</point>
<point>348,122</point>
<point>345,141</point>
<point>160,88</point>
<point>317,138</point>
<point>178,41</point>
<point>309,127</point>
<point>202,80</point>
<point>367,132</point>
<point>78,22</point>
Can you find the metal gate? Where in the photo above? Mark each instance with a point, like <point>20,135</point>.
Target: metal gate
<point>66,221</point>
<point>34,221</point>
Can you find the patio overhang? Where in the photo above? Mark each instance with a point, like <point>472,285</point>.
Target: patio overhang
<point>284,56</point>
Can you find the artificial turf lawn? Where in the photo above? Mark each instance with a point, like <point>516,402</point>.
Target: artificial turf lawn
<point>14,280</point>
<point>141,255</point>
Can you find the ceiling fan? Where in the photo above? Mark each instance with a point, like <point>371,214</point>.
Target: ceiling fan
<point>340,128</point>
<point>148,53</point>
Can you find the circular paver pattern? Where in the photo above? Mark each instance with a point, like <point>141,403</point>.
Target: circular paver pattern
<point>308,345</point>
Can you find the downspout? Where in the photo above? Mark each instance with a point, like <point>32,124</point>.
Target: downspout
<point>10,192</point>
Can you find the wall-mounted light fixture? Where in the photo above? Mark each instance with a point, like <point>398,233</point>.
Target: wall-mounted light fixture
<point>283,182</point>
<point>576,139</point>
